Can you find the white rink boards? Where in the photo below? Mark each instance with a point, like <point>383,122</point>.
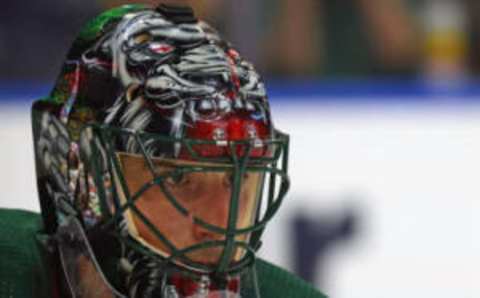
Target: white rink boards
<point>413,171</point>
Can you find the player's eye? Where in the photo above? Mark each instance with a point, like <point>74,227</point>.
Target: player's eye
<point>177,180</point>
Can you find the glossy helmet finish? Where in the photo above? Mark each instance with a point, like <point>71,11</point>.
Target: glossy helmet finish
<point>159,85</point>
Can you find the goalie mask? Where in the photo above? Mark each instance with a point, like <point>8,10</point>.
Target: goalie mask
<point>158,165</point>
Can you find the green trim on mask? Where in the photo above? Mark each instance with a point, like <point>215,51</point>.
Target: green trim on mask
<point>95,27</point>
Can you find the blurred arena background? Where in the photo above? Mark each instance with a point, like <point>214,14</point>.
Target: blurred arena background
<point>382,100</point>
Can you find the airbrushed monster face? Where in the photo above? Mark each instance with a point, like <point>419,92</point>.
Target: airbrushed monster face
<point>179,63</point>
<point>181,80</point>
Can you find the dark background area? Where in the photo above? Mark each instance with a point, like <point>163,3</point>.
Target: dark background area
<point>319,39</point>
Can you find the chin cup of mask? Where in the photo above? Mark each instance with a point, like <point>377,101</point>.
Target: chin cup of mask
<point>147,278</point>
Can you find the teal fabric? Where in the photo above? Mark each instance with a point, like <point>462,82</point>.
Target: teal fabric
<point>25,270</point>
<point>275,282</point>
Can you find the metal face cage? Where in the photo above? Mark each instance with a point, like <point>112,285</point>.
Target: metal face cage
<point>117,199</point>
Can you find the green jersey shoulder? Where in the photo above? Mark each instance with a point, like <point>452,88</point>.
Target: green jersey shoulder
<point>28,270</point>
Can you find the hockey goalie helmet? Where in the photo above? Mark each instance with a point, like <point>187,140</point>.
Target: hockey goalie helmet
<point>158,136</point>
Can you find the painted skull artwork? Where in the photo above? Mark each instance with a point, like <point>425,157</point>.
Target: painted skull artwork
<point>157,125</point>
<point>184,72</point>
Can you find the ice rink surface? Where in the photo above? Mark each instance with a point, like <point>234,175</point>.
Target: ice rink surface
<point>411,169</point>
